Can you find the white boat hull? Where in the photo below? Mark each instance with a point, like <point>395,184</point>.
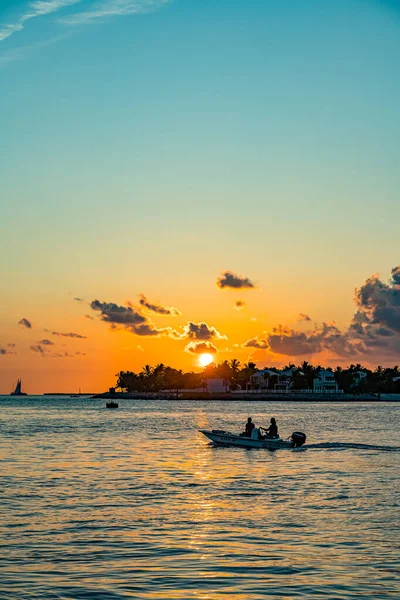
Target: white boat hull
<point>231,439</point>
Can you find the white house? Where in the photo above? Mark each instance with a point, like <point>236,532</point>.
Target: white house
<point>325,383</point>
<point>261,377</point>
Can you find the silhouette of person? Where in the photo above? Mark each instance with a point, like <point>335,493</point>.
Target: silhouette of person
<point>249,427</point>
<point>272,430</point>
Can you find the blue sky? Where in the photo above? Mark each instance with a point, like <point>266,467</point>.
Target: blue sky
<point>149,144</point>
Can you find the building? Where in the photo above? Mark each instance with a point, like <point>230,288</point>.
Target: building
<point>325,383</point>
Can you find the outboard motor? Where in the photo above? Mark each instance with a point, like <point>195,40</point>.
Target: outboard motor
<point>298,439</point>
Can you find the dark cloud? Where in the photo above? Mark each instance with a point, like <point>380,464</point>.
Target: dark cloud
<point>156,308</point>
<point>38,348</point>
<point>228,279</point>
<point>89,317</point>
<point>396,275</point>
<point>239,304</point>
<point>384,332</point>
<point>4,351</point>
<point>76,336</point>
<point>289,342</point>
<point>25,323</point>
<point>79,299</point>
<point>120,315</point>
<point>260,342</point>
<point>80,353</point>
<point>378,313</point>
<point>303,317</point>
<point>147,329</point>
<point>375,325</point>
<point>129,318</point>
<point>200,348</point>
<point>132,320</point>
<point>201,331</point>
<point>46,342</point>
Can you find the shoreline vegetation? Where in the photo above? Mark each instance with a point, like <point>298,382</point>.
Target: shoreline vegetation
<point>292,383</point>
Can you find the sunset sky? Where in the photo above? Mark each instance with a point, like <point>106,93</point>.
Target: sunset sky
<point>194,171</point>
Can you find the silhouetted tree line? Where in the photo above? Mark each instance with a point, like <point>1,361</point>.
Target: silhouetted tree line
<point>161,377</point>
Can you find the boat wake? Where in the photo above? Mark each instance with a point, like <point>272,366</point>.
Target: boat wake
<point>352,446</point>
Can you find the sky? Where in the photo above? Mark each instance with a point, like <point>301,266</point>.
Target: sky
<point>193,154</point>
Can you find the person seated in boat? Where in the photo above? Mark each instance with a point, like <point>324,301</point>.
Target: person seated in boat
<point>272,430</point>
<point>248,428</point>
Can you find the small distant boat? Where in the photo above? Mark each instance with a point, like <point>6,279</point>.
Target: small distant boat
<point>18,389</point>
<point>112,404</point>
<point>224,438</point>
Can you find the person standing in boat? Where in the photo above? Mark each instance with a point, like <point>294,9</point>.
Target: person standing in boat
<point>272,430</point>
<point>249,428</point>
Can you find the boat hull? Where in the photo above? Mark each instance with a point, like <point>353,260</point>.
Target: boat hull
<point>231,439</point>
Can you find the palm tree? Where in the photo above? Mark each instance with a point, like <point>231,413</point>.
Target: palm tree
<point>234,365</point>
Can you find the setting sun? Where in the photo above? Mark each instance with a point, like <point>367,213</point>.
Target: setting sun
<point>205,359</point>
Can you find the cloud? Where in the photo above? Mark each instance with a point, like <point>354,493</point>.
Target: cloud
<point>201,331</point>
<point>377,320</point>
<point>112,8</point>
<point>89,317</point>
<point>46,353</point>
<point>289,342</point>
<point>102,9</point>
<point>34,9</point>
<point>200,348</point>
<point>374,326</point>
<point>25,323</point>
<point>260,342</point>
<point>396,275</point>
<point>4,351</point>
<point>8,30</point>
<point>121,315</point>
<point>131,319</point>
<point>46,342</point>
<point>303,317</point>
<point>38,348</point>
<point>161,310</point>
<point>79,299</point>
<point>228,279</point>
<point>239,304</point>
<point>77,336</point>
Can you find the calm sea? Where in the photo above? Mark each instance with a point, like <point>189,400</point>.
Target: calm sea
<point>135,503</point>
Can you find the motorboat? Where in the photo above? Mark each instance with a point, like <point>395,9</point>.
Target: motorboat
<point>112,404</point>
<point>225,438</point>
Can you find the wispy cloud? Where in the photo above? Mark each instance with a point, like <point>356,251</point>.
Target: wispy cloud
<point>77,336</point>
<point>95,11</point>
<point>104,9</point>
<point>38,8</point>
<point>157,308</point>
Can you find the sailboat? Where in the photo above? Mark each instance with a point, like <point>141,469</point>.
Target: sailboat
<point>18,389</point>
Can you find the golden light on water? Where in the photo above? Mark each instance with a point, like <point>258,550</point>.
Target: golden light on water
<point>205,359</point>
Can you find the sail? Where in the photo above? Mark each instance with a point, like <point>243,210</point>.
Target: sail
<point>18,387</point>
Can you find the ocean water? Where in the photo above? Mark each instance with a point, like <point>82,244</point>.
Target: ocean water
<point>135,503</point>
